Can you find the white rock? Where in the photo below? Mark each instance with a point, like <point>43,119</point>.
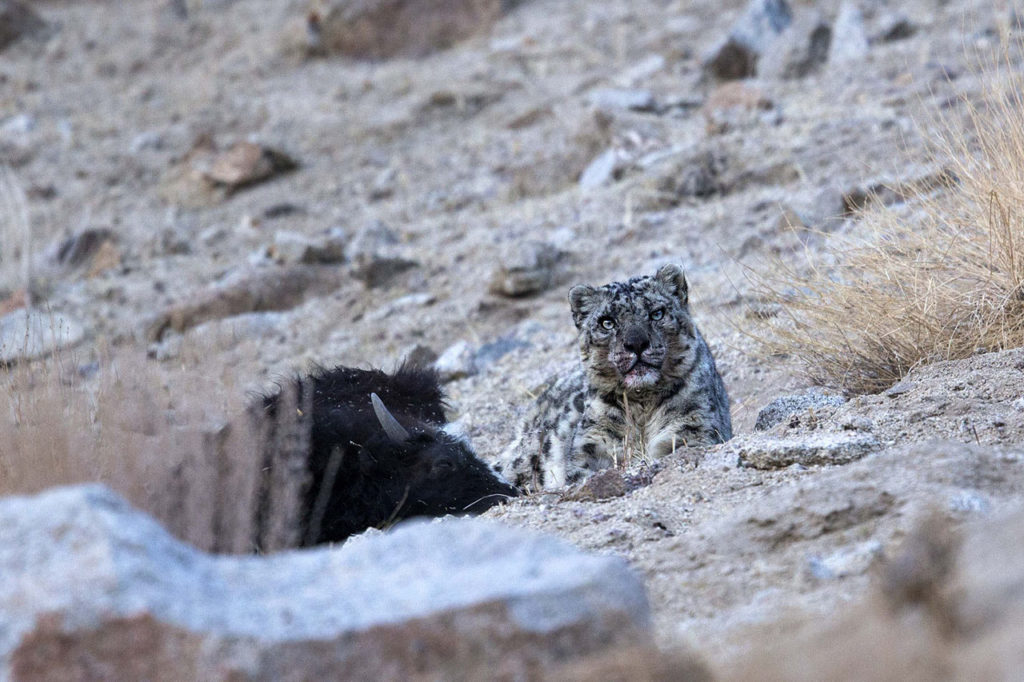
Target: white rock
<point>28,334</point>
<point>104,585</point>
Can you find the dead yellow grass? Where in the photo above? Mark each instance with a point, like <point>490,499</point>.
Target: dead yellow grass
<point>177,444</point>
<point>939,278</point>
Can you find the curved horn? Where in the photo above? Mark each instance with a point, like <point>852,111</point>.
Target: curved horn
<point>395,431</point>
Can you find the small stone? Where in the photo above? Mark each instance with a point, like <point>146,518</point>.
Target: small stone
<point>1018,404</point>
<point>420,355</point>
<point>281,210</point>
<point>379,29</point>
<point>899,389</point>
<point>737,55</point>
<point>401,303</point>
<point>969,501</point>
<point>812,449</point>
<point>489,353</point>
<point>781,408</point>
<point>245,163</point>
<point>604,485</point>
<point>614,98</point>
<point>733,105</point>
<point>849,39</point>
<point>107,257</point>
<point>373,239</point>
<point>802,48</point>
<point>894,27</point>
<point>79,248</point>
<point>644,69</point>
<point>600,171</point>
<point>18,20</point>
<point>383,185</point>
<point>28,334</point>
<point>13,301</point>
<point>293,247</point>
<point>526,268</point>
<point>18,125</point>
<point>377,271</point>
<point>669,182</point>
<point>457,362</point>
<point>149,140</point>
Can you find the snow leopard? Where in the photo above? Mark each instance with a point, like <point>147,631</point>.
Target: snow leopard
<point>646,385</point>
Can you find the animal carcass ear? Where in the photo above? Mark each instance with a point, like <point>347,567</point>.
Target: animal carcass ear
<point>392,428</point>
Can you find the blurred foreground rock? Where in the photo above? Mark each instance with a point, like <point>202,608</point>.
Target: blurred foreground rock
<point>942,609</point>
<point>93,589</point>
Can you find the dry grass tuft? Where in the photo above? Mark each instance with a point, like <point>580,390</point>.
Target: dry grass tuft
<point>180,446</point>
<point>15,235</point>
<point>940,277</point>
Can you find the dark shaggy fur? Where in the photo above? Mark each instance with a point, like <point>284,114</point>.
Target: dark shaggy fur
<point>361,477</point>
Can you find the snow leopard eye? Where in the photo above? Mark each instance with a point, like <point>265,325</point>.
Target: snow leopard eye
<point>658,314</point>
<point>607,322</point>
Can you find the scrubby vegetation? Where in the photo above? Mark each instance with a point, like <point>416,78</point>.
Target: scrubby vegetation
<point>938,277</point>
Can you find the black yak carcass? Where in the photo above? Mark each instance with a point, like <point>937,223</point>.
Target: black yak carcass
<point>375,451</point>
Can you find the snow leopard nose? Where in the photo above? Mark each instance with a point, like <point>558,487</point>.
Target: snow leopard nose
<point>636,341</point>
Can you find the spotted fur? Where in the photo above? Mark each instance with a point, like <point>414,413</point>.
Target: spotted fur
<point>647,384</point>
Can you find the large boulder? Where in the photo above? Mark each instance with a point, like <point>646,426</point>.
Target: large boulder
<point>93,589</point>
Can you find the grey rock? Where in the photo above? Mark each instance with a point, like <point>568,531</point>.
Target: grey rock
<point>642,70</point>
<point>147,140</point>
<point>491,352</point>
<point>293,247</point>
<point>802,48</point>
<point>899,389</point>
<point>18,126</point>
<point>28,334</point>
<point>407,302</point>
<point>824,210</point>
<point>600,171</point>
<point>375,260</point>
<point>669,181</point>
<point>373,239</point>
<point>95,589</point>
<point>849,37</point>
<point>80,247</point>
<point>737,55</point>
<point>848,561</point>
<point>380,270</point>
<point>811,449</point>
<point>782,407</point>
<point>894,27</point>
<point>379,29</point>
<point>616,98</point>
<point>18,20</point>
<point>247,163</point>
<point>526,268</point>
<point>383,184</point>
<point>457,362</point>
<point>420,355</point>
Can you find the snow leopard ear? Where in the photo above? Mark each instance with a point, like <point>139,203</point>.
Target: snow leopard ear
<point>582,300</point>
<point>672,278</point>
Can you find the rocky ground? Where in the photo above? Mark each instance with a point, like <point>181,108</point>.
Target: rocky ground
<point>207,188</point>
